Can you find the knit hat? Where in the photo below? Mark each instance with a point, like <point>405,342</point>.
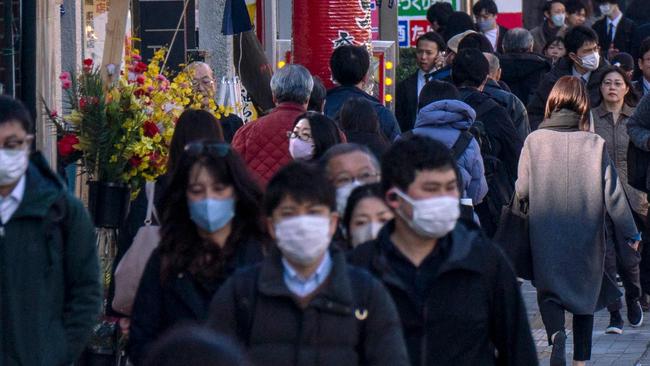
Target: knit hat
<point>470,65</point>
<point>454,41</point>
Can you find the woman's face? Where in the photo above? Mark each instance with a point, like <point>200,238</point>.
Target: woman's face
<point>556,50</point>
<point>302,130</point>
<point>613,88</point>
<point>202,185</point>
<point>368,216</point>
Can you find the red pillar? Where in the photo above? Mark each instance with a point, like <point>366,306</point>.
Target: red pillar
<point>319,26</point>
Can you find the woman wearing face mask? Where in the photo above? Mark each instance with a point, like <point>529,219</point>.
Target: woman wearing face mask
<point>571,184</point>
<point>610,122</point>
<point>365,214</point>
<point>211,225</point>
<point>553,25</point>
<point>313,133</point>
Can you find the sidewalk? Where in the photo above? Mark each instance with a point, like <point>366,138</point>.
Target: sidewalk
<point>627,349</point>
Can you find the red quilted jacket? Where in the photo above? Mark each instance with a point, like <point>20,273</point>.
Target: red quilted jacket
<point>264,144</point>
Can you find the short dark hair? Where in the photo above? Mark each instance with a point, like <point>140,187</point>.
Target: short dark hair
<point>324,132</point>
<point>577,36</point>
<point>470,68</point>
<point>574,6</point>
<point>550,42</point>
<point>408,156</point>
<point>439,13</point>
<point>489,6</point>
<point>349,64</point>
<point>433,37</point>
<point>608,1</point>
<point>192,125</point>
<point>459,22</point>
<point>358,115</point>
<point>358,194</point>
<point>549,3</point>
<point>303,182</point>
<point>436,90</point>
<point>476,40</point>
<point>13,110</point>
<point>318,95</point>
<point>645,47</point>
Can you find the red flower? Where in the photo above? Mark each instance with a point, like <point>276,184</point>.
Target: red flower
<point>155,159</point>
<point>140,80</point>
<point>150,129</point>
<point>54,114</point>
<point>139,92</point>
<point>82,103</point>
<point>66,145</point>
<point>66,84</point>
<point>88,62</point>
<point>136,57</point>
<point>64,76</point>
<point>135,161</point>
<point>140,67</point>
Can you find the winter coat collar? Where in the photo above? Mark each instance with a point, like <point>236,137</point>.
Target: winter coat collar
<point>457,256</point>
<point>455,113</point>
<point>337,287</point>
<point>601,111</point>
<point>289,106</point>
<point>564,120</point>
<point>350,91</point>
<point>42,189</point>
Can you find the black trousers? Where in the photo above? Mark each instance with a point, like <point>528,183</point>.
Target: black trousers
<point>644,266</point>
<point>583,325</point>
<point>623,259</point>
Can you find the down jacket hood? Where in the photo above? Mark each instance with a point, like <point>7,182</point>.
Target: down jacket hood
<point>453,113</point>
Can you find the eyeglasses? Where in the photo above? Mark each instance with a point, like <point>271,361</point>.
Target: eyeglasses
<point>617,85</point>
<point>17,144</point>
<point>294,135</point>
<point>206,81</point>
<point>364,178</point>
<point>216,148</point>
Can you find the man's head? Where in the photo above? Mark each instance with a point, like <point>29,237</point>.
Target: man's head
<point>15,142</point>
<point>438,15</point>
<point>625,61</point>
<point>609,8</point>
<point>495,66</point>
<point>428,46</point>
<point>554,13</point>
<point>476,40</point>
<point>420,174</point>
<point>202,78</point>
<point>485,12</point>
<point>470,68</point>
<point>644,58</point>
<point>518,40</point>
<point>349,65</point>
<point>300,206</point>
<point>348,166</point>
<point>582,48</point>
<point>435,91</point>
<point>576,12</point>
<point>317,97</point>
<point>292,83</point>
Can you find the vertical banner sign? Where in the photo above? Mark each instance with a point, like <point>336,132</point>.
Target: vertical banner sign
<point>412,19</point>
<point>321,26</point>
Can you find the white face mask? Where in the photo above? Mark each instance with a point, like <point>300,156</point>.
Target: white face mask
<point>590,61</point>
<point>13,164</point>
<point>301,150</point>
<point>432,217</point>
<point>605,9</point>
<point>365,233</point>
<point>558,19</point>
<point>302,239</point>
<point>342,195</point>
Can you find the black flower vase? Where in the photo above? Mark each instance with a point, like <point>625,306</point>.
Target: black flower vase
<point>108,203</point>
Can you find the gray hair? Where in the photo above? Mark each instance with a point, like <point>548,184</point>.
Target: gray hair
<point>348,148</point>
<point>292,83</point>
<point>495,65</point>
<point>517,40</point>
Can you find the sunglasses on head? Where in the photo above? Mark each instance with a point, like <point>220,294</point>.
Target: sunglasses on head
<point>202,147</point>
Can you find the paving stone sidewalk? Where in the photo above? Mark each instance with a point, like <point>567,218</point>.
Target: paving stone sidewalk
<point>627,349</point>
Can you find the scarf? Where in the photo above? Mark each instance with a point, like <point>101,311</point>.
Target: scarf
<point>564,120</point>
<point>549,32</point>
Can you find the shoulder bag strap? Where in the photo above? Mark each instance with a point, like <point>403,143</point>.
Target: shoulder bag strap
<point>150,190</point>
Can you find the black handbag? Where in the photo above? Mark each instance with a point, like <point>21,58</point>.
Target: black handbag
<point>513,236</point>
<point>638,163</point>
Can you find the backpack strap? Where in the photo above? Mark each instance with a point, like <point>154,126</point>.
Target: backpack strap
<point>361,283</point>
<point>461,144</point>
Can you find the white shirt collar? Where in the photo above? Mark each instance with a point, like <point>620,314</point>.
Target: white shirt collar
<point>9,204</point>
<point>616,20</point>
<point>584,76</point>
<point>493,36</point>
<point>646,86</point>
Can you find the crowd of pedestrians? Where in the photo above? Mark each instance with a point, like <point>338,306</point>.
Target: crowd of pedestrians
<point>332,231</point>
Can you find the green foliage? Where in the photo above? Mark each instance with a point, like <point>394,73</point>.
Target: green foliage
<point>407,63</point>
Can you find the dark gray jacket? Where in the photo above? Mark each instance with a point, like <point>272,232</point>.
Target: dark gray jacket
<point>513,105</point>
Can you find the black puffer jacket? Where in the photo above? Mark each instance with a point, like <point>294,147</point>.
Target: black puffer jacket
<point>473,305</point>
<point>350,321</point>
<point>522,72</point>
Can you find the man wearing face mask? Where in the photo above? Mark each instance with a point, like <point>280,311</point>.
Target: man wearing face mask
<point>304,305</point>
<point>553,25</point>
<point>615,32</point>
<point>50,293</point>
<point>485,12</point>
<point>582,60</point>
<point>457,295</point>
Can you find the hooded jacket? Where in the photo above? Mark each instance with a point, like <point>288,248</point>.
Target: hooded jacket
<point>443,121</point>
<point>338,96</point>
<point>50,294</point>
